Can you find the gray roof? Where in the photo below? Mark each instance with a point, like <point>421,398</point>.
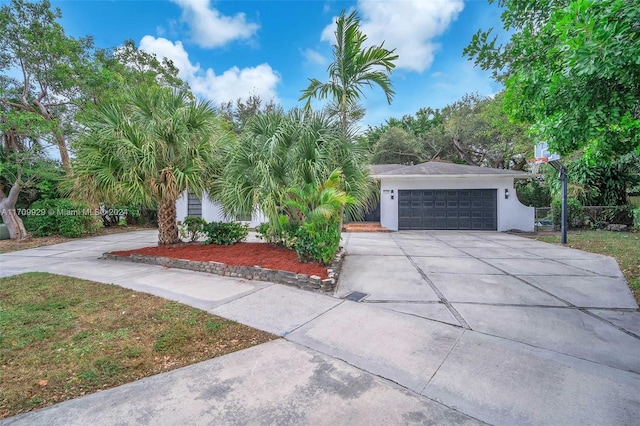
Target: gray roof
<point>439,168</point>
<point>376,169</point>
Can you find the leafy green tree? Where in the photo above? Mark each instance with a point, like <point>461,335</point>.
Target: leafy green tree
<point>397,146</point>
<point>570,68</point>
<point>353,68</point>
<point>148,149</point>
<point>24,169</point>
<point>482,135</point>
<point>113,71</point>
<point>279,151</point>
<point>51,66</point>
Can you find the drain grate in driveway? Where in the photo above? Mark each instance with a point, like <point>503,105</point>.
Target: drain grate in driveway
<point>356,296</point>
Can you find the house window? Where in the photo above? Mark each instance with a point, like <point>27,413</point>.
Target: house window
<point>243,218</point>
<point>194,205</point>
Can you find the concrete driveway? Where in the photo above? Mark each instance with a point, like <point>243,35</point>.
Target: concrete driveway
<point>455,328</point>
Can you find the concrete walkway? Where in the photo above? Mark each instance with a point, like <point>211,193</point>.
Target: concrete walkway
<point>455,328</point>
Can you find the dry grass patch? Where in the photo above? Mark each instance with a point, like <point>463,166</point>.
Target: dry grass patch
<point>623,246</point>
<point>62,337</point>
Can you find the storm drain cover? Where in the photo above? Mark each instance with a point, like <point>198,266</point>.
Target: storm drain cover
<point>356,296</point>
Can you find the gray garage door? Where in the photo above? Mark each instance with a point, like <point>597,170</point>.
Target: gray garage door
<point>447,209</point>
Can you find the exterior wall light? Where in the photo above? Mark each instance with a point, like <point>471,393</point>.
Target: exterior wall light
<point>506,194</point>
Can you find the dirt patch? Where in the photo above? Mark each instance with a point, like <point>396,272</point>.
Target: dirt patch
<point>241,254</point>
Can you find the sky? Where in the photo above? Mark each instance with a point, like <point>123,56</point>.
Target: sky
<point>232,49</point>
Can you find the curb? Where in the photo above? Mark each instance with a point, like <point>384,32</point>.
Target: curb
<point>302,281</point>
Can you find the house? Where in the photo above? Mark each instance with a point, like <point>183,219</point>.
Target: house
<point>211,211</point>
<point>431,195</point>
<point>439,195</point>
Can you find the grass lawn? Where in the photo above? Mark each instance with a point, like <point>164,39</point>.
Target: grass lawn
<point>623,246</point>
<point>62,337</point>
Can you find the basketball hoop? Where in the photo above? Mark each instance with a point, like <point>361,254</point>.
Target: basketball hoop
<point>535,163</point>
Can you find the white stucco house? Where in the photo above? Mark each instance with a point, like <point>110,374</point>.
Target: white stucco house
<point>190,205</point>
<point>439,195</point>
<point>428,196</point>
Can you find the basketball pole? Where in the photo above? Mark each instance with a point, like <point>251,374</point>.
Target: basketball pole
<point>563,177</point>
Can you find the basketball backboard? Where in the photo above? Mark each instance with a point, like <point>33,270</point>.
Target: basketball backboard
<point>542,153</point>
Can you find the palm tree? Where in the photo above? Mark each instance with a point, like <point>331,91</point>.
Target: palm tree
<point>353,67</point>
<point>278,151</point>
<point>148,149</point>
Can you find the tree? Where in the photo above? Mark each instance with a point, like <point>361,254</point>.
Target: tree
<point>353,67</point>
<point>238,114</point>
<point>397,146</point>
<point>570,68</point>
<point>148,149</point>
<point>482,134</point>
<point>277,152</point>
<point>51,66</point>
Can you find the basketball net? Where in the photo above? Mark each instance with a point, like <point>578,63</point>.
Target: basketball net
<point>535,163</point>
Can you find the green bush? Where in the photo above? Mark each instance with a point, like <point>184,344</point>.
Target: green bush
<point>192,228</point>
<point>59,216</point>
<point>636,218</point>
<point>533,193</point>
<point>318,242</point>
<point>284,235</point>
<point>575,214</point>
<point>225,233</point>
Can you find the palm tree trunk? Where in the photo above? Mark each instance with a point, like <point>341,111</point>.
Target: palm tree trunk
<point>167,227</point>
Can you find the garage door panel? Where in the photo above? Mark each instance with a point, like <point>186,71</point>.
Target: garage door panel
<point>469,209</point>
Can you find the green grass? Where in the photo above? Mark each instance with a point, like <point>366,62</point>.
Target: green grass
<point>62,337</point>
<point>623,246</point>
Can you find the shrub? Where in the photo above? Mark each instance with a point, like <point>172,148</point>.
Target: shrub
<point>284,235</point>
<point>575,213</point>
<point>318,242</point>
<point>60,216</point>
<point>192,228</point>
<point>533,193</point>
<point>225,233</point>
<point>636,218</point>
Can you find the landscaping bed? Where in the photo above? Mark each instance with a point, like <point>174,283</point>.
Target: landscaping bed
<point>62,337</point>
<point>259,261</point>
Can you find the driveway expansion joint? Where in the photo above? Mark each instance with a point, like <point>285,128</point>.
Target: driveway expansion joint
<point>435,289</point>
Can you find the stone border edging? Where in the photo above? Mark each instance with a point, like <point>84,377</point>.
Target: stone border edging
<point>303,281</point>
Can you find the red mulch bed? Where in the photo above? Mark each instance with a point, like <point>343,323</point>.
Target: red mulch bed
<point>241,254</point>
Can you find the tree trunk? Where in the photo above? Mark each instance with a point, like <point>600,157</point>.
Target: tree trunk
<point>10,217</point>
<point>167,227</point>
<point>64,153</point>
<point>14,224</point>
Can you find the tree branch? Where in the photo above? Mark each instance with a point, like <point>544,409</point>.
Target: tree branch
<point>25,89</point>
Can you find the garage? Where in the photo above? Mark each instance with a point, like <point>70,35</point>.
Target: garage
<point>451,209</point>
<point>437,195</point>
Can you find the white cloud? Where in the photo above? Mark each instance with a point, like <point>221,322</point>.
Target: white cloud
<point>210,28</point>
<point>314,57</point>
<point>409,26</point>
<point>233,83</point>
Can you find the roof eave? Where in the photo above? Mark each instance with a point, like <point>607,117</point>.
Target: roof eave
<point>464,176</point>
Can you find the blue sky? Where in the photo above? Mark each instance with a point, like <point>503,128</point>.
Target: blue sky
<point>231,49</point>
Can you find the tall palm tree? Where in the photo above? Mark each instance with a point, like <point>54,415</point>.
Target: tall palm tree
<point>280,151</point>
<point>148,149</point>
<point>353,67</point>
